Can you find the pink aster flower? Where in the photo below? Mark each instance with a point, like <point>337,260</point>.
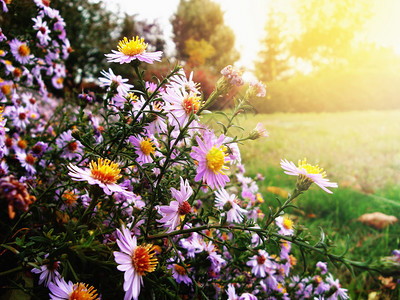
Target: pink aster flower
<point>21,51</point>
<point>20,117</point>
<point>145,147</point>
<point>27,161</point>
<point>307,174</point>
<point>114,81</point>
<point>181,105</point>
<point>43,30</point>
<point>260,263</point>
<point>233,75</point>
<point>71,148</point>
<point>135,261</point>
<point>258,132</point>
<point>172,213</point>
<point>57,82</point>
<point>61,290</point>
<point>129,50</point>
<point>211,157</point>
<point>229,204</point>
<point>179,273</point>
<point>180,82</point>
<point>285,225</point>
<point>158,124</point>
<point>338,290</point>
<point>258,88</point>
<point>104,173</point>
<point>48,273</point>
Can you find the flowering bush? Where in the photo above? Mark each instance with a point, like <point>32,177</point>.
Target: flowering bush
<point>135,195</point>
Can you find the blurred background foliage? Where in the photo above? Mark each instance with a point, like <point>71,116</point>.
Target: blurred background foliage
<point>320,65</point>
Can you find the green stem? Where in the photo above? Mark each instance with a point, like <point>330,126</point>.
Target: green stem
<point>20,268</point>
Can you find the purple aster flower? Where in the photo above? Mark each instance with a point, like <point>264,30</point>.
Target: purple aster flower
<point>21,51</point>
<point>211,157</point>
<point>229,204</point>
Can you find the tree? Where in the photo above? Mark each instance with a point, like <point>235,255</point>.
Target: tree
<point>329,28</point>
<point>202,21</point>
<point>273,58</point>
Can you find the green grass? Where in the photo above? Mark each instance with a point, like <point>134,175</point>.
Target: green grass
<point>360,151</point>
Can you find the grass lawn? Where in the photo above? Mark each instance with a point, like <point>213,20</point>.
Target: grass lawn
<point>361,152</point>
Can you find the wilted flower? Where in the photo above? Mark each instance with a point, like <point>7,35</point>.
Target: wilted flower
<point>16,195</point>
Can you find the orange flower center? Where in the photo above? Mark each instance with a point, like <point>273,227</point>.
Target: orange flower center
<point>22,116</point>
<point>83,291</point>
<point>9,142</point>
<point>184,208</point>
<point>23,144</point>
<point>191,104</point>
<point>261,259</point>
<point>30,159</point>
<point>147,146</point>
<point>37,149</point>
<point>72,146</point>
<point>6,89</point>
<point>180,270</point>
<point>143,259</point>
<point>17,72</point>
<point>69,198</point>
<point>105,171</point>
<point>24,50</point>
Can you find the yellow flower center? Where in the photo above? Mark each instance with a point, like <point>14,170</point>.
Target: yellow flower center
<point>311,169</point>
<point>287,223</point>
<point>24,50</point>
<point>180,270</point>
<point>147,146</point>
<point>83,291</point>
<point>215,159</point>
<point>191,104</point>
<point>143,259</point>
<point>105,170</point>
<point>132,47</point>
<point>60,80</point>
<point>280,286</point>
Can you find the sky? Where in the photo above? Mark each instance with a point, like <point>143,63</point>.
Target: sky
<point>247,18</point>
